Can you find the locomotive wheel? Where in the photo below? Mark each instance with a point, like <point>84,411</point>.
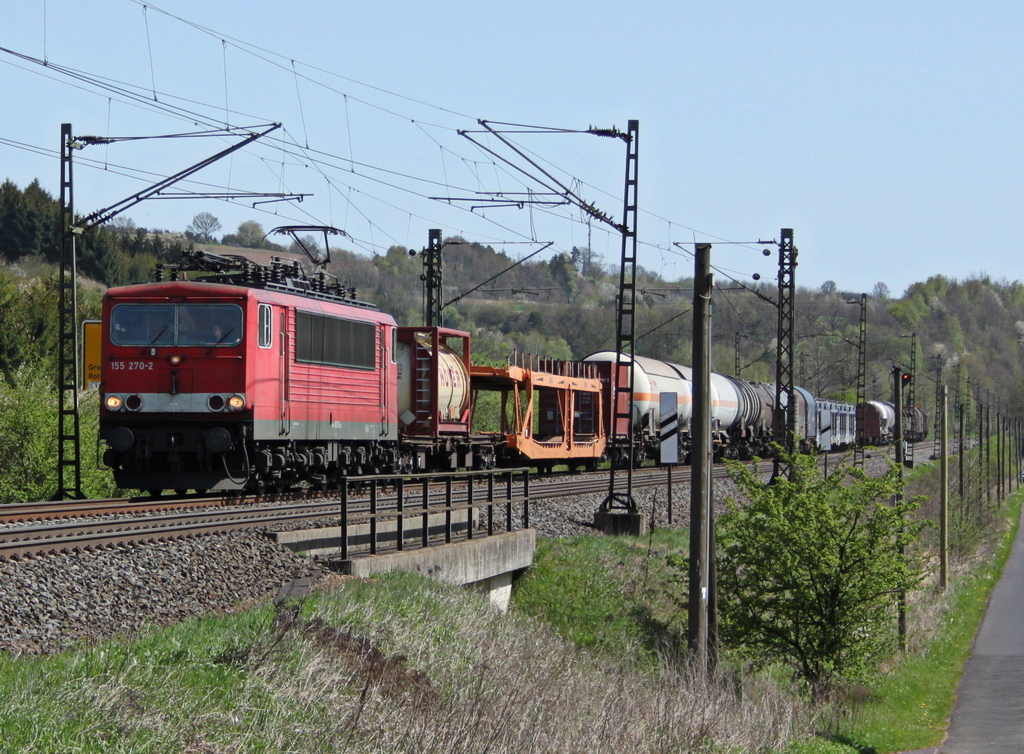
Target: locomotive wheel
<point>155,493</point>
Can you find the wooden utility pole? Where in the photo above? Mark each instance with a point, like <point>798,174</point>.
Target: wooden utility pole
<point>701,509</point>
<point>961,412</point>
<point>944,493</point>
<point>988,451</point>
<point>901,600</point>
<point>960,452</point>
<point>981,454</point>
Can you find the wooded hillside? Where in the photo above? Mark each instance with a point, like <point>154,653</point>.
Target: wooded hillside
<point>562,306</point>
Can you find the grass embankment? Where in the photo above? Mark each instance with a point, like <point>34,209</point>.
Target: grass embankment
<point>405,664</point>
<point>390,665</point>
<point>625,596</point>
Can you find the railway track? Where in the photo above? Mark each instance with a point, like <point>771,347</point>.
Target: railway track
<point>541,487</point>
<point>68,526</point>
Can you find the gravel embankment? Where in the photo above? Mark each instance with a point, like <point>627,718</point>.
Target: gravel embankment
<point>51,603</point>
<point>55,602</point>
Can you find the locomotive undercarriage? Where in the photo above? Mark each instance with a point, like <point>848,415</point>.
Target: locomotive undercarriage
<point>179,456</point>
<point>185,456</point>
<point>322,465</point>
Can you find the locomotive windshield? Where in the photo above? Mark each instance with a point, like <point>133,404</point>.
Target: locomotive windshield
<point>176,324</point>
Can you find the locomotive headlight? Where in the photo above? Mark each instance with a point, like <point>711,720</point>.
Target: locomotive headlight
<point>175,360</point>
<point>236,402</point>
<point>113,402</point>
<point>133,402</point>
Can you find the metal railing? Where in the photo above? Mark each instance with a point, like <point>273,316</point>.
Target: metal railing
<point>446,507</point>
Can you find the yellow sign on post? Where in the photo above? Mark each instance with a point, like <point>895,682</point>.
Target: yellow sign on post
<point>92,364</point>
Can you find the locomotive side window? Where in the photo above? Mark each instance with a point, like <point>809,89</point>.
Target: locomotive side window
<point>333,341</point>
<point>176,324</point>
<point>266,337</point>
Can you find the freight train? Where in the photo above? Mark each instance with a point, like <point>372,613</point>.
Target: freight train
<point>876,422</point>
<point>743,414</point>
<point>261,377</point>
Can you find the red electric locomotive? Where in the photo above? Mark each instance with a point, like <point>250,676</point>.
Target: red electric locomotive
<point>245,380</point>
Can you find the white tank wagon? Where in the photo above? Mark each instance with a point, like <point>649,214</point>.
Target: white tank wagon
<point>875,423</point>
<point>417,393</point>
<point>739,417</point>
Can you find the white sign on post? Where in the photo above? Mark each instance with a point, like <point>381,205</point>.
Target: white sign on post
<point>825,431</point>
<point>668,428</point>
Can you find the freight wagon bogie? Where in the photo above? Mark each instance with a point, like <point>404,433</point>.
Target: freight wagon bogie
<point>446,454</point>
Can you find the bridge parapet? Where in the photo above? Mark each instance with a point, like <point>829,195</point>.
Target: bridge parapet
<point>467,528</point>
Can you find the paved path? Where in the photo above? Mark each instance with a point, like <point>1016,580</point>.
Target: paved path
<point>988,717</point>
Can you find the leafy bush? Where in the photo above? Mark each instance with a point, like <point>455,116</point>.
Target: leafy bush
<point>28,440</point>
<point>809,569</point>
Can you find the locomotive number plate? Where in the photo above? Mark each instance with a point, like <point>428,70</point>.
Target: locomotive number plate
<point>132,366</point>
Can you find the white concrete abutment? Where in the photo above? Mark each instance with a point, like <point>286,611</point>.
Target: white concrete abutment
<point>488,564</point>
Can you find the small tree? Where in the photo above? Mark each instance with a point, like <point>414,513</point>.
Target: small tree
<point>810,568</point>
<point>563,272</point>
<point>204,225</point>
<point>251,235</point>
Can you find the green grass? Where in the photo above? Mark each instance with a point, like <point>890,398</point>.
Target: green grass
<point>220,683</point>
<point>909,707</point>
<point>614,595</point>
<point>146,695</point>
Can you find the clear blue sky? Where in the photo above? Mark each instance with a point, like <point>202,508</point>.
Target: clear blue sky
<point>887,135</point>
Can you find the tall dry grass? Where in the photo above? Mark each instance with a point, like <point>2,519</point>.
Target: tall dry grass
<point>438,671</point>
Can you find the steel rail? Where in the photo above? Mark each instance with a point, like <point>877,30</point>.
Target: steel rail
<point>541,488</point>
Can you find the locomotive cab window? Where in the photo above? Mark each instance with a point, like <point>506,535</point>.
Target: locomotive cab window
<point>176,324</point>
<point>266,339</point>
<point>142,325</point>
